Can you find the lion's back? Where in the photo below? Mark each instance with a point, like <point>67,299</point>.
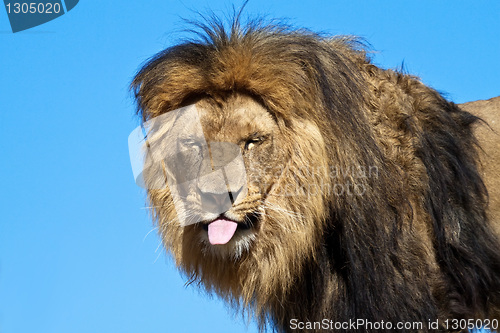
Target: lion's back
<point>489,140</point>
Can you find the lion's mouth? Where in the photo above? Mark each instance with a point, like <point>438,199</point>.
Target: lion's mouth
<point>222,229</point>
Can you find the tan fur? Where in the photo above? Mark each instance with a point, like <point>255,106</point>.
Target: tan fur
<point>488,135</point>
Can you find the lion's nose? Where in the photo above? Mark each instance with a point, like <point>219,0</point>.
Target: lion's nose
<point>220,201</point>
<point>217,198</point>
<point>222,178</point>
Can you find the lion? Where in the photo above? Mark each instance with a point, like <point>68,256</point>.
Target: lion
<point>363,193</point>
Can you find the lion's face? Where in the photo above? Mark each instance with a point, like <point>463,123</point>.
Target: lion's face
<point>248,125</point>
<point>220,229</point>
<point>272,220</point>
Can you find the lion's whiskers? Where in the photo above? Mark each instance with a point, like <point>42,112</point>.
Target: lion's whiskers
<point>294,216</point>
<point>283,211</point>
<point>150,231</point>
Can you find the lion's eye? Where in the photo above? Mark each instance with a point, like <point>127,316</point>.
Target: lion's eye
<point>192,145</point>
<point>250,144</point>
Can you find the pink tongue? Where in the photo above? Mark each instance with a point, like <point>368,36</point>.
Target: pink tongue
<point>221,231</point>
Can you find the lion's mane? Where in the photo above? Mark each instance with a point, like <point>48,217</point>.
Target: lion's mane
<point>415,246</point>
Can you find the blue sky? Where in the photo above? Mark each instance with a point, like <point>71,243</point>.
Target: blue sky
<point>76,251</point>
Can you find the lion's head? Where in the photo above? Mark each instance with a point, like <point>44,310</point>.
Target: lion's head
<point>332,211</point>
